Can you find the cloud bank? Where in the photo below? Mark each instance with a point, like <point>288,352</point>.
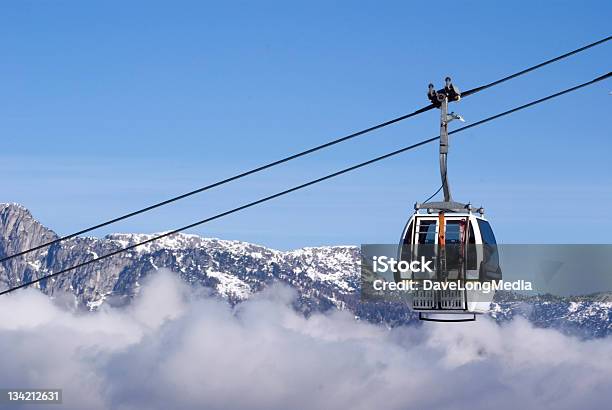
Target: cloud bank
<point>174,348</point>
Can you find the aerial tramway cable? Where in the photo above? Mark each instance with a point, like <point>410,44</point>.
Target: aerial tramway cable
<point>297,155</point>
<point>307,184</point>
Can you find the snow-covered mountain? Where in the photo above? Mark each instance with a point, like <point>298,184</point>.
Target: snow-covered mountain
<point>324,278</point>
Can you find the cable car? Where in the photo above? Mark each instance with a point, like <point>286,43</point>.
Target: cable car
<point>463,246</point>
<point>456,238</point>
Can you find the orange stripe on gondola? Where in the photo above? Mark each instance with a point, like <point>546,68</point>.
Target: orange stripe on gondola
<point>441,229</point>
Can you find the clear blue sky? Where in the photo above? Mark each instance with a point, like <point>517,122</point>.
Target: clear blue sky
<point>109,106</point>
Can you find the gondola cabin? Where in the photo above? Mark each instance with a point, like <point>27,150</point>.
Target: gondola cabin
<point>463,248</point>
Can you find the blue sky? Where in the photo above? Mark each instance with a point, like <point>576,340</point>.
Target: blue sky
<point>110,106</point>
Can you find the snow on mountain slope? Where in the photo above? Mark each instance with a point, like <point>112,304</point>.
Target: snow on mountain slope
<point>233,269</point>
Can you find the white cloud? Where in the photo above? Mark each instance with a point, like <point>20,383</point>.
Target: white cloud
<point>175,349</point>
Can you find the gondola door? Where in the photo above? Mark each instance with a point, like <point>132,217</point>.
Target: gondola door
<point>452,257</point>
